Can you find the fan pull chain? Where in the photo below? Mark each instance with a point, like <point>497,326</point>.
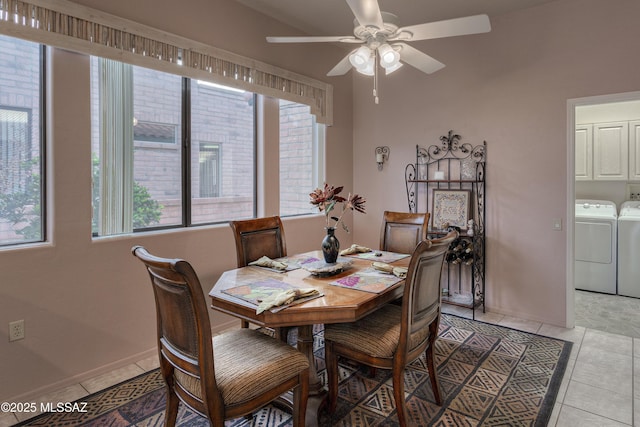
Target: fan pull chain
<point>375,77</point>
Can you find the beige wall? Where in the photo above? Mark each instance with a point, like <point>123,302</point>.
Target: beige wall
<point>87,304</point>
<point>509,87</point>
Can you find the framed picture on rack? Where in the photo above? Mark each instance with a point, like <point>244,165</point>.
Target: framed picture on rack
<point>451,207</point>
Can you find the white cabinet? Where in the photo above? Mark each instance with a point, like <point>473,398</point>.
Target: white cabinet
<point>611,151</point>
<point>634,150</point>
<point>608,151</point>
<point>584,155</point>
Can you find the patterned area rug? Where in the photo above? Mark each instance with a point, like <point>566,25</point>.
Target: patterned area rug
<point>489,375</point>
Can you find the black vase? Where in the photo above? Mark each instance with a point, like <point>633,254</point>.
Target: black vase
<point>330,246</point>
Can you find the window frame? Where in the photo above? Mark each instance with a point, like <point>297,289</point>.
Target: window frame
<point>42,134</point>
<point>185,142</point>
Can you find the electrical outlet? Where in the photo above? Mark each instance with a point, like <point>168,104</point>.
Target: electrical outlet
<point>633,191</point>
<point>16,330</point>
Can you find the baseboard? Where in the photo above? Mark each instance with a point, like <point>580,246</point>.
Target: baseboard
<point>34,395</point>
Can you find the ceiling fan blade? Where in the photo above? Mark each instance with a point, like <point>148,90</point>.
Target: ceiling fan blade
<point>417,59</point>
<point>314,39</point>
<point>367,12</point>
<point>448,28</point>
<point>341,67</point>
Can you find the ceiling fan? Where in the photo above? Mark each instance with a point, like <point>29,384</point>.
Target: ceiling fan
<point>379,32</point>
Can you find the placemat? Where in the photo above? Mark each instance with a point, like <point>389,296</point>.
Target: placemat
<point>369,280</point>
<point>295,262</point>
<point>255,292</point>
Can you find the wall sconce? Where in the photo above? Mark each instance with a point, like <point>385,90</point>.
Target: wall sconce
<point>382,155</point>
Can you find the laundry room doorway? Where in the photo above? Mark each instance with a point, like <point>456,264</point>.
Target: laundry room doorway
<point>603,169</point>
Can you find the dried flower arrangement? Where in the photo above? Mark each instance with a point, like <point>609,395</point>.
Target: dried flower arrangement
<point>327,198</point>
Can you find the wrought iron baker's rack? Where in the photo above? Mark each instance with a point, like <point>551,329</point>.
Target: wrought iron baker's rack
<point>459,166</point>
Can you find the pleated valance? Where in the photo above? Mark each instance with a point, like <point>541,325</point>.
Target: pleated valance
<point>71,26</point>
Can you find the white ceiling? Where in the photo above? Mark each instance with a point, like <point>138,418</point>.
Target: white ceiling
<point>333,17</point>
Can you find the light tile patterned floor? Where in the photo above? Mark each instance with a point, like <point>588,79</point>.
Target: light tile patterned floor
<point>601,386</point>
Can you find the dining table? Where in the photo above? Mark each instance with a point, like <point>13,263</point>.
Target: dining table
<point>354,290</point>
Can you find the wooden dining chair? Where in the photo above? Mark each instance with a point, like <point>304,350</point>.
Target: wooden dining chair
<point>255,238</point>
<point>395,335</point>
<point>207,374</point>
<point>258,237</point>
<point>402,231</point>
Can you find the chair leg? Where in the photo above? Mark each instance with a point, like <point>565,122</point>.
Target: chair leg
<point>331,360</point>
<point>435,385</point>
<point>244,324</point>
<point>398,395</point>
<point>431,363</point>
<point>171,410</point>
<point>300,397</point>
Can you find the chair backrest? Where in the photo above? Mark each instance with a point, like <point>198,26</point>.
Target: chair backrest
<point>184,332</point>
<point>422,294</point>
<point>258,237</point>
<point>401,231</point>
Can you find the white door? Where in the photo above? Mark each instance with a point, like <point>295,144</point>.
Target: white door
<point>611,148</point>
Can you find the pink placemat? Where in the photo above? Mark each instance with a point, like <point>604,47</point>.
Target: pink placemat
<point>295,262</point>
<point>369,280</point>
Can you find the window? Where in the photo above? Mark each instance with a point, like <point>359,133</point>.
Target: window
<point>301,154</point>
<point>137,114</point>
<point>21,142</point>
<point>222,153</point>
<point>168,151</point>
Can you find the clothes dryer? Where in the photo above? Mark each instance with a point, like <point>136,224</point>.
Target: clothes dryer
<point>629,249</point>
<point>596,246</point>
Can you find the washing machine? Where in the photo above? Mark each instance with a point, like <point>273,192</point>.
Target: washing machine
<point>596,246</point>
<point>629,249</point>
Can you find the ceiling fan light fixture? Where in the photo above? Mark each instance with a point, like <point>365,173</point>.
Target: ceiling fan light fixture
<point>389,57</point>
<point>382,42</point>
<point>360,57</point>
<point>368,68</point>
<point>392,68</point>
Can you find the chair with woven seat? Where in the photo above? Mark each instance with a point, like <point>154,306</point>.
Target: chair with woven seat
<point>395,335</point>
<point>258,237</point>
<point>205,373</point>
<point>402,231</point>
<point>255,238</point>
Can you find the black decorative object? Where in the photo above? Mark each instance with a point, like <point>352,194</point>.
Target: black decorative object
<point>330,246</point>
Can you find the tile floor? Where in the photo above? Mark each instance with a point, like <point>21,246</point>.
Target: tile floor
<point>608,313</point>
<point>599,386</point>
